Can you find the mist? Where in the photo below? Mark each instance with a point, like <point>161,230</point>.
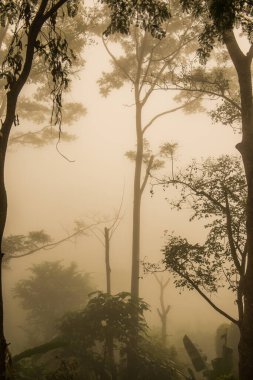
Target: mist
<point>89,182</point>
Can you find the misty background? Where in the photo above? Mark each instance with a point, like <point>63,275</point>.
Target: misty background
<point>46,191</point>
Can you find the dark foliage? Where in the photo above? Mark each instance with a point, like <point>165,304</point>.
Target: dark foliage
<point>146,14</point>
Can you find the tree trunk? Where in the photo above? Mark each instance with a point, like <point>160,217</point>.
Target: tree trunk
<point>12,96</point>
<point>137,207</point>
<point>107,260</point>
<point>163,312</point>
<point>135,274</point>
<point>242,64</point>
<point>4,135</point>
<point>109,337</point>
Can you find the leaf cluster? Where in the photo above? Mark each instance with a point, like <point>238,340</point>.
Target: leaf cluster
<point>15,244</point>
<point>147,62</point>
<point>50,292</point>
<point>218,84</point>
<point>105,315</point>
<point>148,15</point>
<point>217,18</point>
<point>56,57</point>
<point>215,191</point>
<point>112,316</point>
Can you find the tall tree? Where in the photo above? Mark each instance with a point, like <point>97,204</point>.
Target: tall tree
<point>216,192</point>
<point>144,63</point>
<point>33,33</point>
<point>219,19</point>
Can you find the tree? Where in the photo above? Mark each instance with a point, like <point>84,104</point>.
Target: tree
<point>35,105</point>
<point>33,33</point>
<point>51,291</point>
<point>164,310</point>
<point>219,19</point>
<point>144,64</point>
<point>86,333</point>
<point>105,240</point>
<point>104,236</point>
<point>216,192</point>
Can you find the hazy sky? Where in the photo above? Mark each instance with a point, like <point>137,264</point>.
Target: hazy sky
<point>47,192</point>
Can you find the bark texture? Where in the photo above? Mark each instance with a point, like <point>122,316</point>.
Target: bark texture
<point>242,64</point>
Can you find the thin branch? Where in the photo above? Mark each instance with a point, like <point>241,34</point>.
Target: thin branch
<point>166,113</point>
<point>116,221</point>
<point>116,61</point>
<point>208,300</point>
<point>53,10</point>
<point>20,136</point>
<point>144,183</point>
<point>197,192</point>
<point>98,237</point>
<point>53,245</point>
<point>230,235</point>
<point>204,91</point>
<point>170,57</point>
<point>149,63</point>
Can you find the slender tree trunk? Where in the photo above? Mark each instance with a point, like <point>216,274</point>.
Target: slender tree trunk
<point>109,338</point>
<point>135,274</point>
<point>246,328</point>
<point>4,135</point>
<point>137,207</point>
<point>107,260</point>
<point>3,213</point>
<point>242,64</point>
<point>163,312</point>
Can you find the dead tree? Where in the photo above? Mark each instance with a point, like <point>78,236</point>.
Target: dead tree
<point>163,310</point>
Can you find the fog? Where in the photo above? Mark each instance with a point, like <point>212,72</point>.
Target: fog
<point>46,191</point>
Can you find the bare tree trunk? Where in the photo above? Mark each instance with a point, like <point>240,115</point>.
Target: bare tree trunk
<point>137,208</point>
<point>163,312</point>
<point>109,338</point>
<point>107,260</point>
<point>242,64</point>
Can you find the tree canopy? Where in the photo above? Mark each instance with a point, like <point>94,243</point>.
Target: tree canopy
<point>215,190</point>
<point>51,290</point>
<point>218,17</point>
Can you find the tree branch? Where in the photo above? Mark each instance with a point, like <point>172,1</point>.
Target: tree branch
<point>116,62</point>
<point>209,92</point>
<point>197,192</point>
<point>52,245</point>
<point>144,183</point>
<point>53,9</point>
<point>208,300</point>
<point>230,235</point>
<point>166,113</point>
<point>233,48</point>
